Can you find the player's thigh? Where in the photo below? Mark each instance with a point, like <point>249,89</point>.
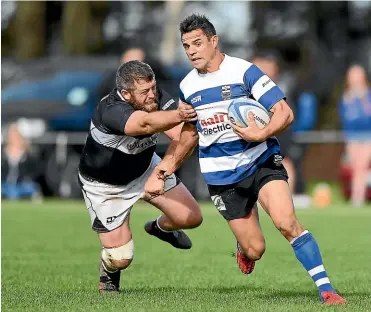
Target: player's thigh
<point>109,208</point>
<point>248,232</point>
<point>237,204</point>
<point>117,237</point>
<point>275,198</point>
<point>234,201</point>
<point>178,204</point>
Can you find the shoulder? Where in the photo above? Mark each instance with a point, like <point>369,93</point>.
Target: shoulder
<point>113,99</point>
<point>188,80</point>
<point>111,109</point>
<point>239,62</point>
<point>237,68</point>
<point>165,100</point>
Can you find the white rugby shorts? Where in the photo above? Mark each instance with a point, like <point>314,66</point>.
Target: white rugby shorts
<point>109,205</point>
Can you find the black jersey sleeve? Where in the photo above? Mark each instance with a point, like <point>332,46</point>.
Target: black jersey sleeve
<point>166,101</point>
<point>116,116</point>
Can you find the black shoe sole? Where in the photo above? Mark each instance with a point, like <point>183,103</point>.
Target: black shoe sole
<point>169,239</point>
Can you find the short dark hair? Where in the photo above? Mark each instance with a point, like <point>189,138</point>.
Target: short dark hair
<point>132,71</point>
<point>197,21</point>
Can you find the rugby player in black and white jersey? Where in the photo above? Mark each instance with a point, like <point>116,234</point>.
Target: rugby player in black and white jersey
<point>119,158</point>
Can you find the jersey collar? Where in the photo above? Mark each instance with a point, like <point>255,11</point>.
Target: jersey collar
<point>119,94</point>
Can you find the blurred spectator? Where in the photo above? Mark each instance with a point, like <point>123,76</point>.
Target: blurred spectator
<point>18,167</point>
<point>355,115</point>
<point>132,54</point>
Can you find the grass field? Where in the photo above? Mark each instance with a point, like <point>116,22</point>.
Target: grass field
<point>50,262</point>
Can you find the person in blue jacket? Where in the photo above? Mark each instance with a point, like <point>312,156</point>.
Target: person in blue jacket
<point>355,116</point>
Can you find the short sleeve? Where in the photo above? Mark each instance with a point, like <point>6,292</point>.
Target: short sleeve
<point>261,87</point>
<point>167,102</point>
<point>116,116</point>
<point>181,96</point>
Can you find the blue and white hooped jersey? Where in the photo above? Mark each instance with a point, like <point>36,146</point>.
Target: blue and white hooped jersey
<point>224,157</point>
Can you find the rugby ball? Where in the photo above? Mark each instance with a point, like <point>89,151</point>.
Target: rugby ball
<point>238,112</point>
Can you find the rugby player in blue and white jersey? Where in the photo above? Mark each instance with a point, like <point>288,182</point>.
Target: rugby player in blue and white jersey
<point>242,165</point>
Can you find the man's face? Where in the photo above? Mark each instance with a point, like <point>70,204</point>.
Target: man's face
<point>143,96</point>
<point>199,49</point>
<point>134,54</point>
<point>357,78</point>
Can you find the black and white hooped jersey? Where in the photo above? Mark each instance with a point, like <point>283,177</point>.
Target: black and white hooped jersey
<point>109,155</point>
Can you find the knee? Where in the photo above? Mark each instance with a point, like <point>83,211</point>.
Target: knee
<point>289,227</point>
<point>254,250</point>
<point>118,258</point>
<point>121,264</point>
<point>195,220</point>
<point>190,220</point>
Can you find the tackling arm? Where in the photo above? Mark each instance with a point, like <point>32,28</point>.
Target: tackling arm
<point>178,151</point>
<point>180,148</point>
<point>142,123</point>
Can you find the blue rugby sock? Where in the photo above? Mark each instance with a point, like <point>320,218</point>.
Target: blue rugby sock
<point>307,252</point>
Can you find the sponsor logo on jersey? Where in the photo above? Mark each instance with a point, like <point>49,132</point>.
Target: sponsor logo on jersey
<point>219,122</point>
<point>167,104</point>
<point>265,83</point>
<point>142,144</point>
<point>196,99</point>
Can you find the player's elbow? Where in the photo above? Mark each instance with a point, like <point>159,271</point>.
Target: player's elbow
<point>147,129</point>
<point>146,125</point>
<point>193,141</point>
<point>191,134</point>
<point>139,123</point>
<point>139,130</point>
<point>193,138</point>
<point>287,112</point>
<point>290,117</point>
<point>283,110</point>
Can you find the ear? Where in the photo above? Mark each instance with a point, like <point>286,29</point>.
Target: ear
<point>215,41</point>
<point>126,95</point>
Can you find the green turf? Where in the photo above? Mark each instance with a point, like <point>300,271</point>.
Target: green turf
<point>50,262</point>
